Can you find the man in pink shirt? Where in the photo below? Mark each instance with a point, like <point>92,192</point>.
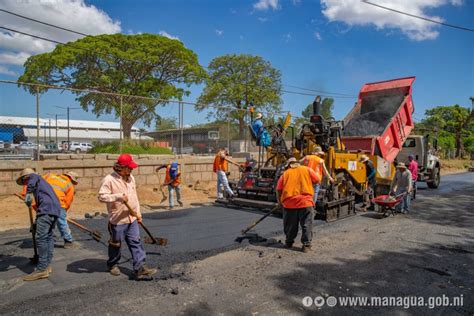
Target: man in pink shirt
<point>117,188</point>
<point>413,167</point>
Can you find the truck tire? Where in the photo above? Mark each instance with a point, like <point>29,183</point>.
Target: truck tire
<point>434,179</point>
<point>78,151</point>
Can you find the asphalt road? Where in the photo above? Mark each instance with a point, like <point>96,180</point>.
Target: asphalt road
<point>204,271</point>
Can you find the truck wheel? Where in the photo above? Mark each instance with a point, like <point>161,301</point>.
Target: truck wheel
<point>434,179</point>
<point>78,151</point>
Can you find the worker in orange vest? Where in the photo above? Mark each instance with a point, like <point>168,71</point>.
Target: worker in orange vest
<point>295,194</point>
<point>220,167</point>
<point>173,182</point>
<point>63,186</point>
<point>316,163</point>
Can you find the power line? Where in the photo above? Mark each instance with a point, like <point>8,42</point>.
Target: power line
<point>44,23</point>
<point>313,95</point>
<point>320,91</point>
<point>419,17</point>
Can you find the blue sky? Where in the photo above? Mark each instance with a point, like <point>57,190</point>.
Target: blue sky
<point>324,45</point>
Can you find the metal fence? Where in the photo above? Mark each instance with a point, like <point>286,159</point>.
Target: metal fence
<point>37,119</point>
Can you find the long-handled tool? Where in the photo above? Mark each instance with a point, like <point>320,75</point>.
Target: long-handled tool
<point>234,163</point>
<point>273,210</point>
<point>35,257</point>
<point>152,240</point>
<point>95,234</point>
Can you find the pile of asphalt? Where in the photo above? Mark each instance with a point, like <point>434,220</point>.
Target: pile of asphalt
<point>374,116</point>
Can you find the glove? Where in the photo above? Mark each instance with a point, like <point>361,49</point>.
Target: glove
<point>227,173</point>
<point>28,200</point>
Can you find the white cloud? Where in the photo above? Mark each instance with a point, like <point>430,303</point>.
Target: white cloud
<point>296,2</point>
<point>72,14</point>
<point>263,20</point>
<point>287,37</point>
<point>166,34</point>
<point>318,36</point>
<point>8,72</point>
<point>266,4</point>
<point>355,12</point>
<point>219,32</point>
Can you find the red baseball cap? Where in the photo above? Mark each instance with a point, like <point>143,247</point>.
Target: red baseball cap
<point>126,160</point>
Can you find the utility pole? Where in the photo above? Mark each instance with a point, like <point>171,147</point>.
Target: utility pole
<point>68,109</point>
<point>55,126</point>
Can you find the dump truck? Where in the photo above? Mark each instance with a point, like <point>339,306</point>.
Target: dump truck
<point>377,126</point>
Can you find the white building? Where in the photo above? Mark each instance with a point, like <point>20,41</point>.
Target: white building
<point>25,128</point>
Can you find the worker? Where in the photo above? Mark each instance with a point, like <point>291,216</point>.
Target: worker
<point>63,186</point>
<point>220,167</point>
<point>370,173</point>
<point>402,184</point>
<point>413,167</point>
<point>172,181</point>
<point>316,163</point>
<point>257,127</point>
<point>116,189</point>
<point>295,194</point>
<point>48,210</point>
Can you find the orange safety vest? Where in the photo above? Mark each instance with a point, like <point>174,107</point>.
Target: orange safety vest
<point>296,181</point>
<point>316,163</point>
<point>63,187</point>
<point>176,181</point>
<point>219,163</point>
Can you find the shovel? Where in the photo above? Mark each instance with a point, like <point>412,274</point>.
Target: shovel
<point>151,239</point>
<point>35,257</point>
<point>95,234</point>
<point>276,208</point>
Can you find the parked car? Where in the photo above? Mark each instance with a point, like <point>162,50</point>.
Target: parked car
<point>80,147</point>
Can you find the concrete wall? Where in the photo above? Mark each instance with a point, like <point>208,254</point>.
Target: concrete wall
<point>92,168</point>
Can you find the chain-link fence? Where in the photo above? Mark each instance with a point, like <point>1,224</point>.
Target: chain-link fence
<point>36,119</point>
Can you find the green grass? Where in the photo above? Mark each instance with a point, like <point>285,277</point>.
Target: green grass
<point>129,148</point>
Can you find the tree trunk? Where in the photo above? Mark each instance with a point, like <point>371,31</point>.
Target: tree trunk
<point>459,144</point>
<point>126,129</point>
<point>241,127</point>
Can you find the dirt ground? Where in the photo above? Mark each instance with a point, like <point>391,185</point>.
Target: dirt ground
<point>14,213</point>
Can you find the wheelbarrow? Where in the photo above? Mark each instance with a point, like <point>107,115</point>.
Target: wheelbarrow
<point>388,203</point>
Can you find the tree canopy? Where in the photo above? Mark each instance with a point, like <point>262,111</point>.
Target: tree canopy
<point>238,81</point>
<point>454,126</point>
<point>145,65</point>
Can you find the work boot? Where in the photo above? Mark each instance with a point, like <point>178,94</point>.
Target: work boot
<point>306,248</point>
<point>114,270</point>
<point>49,269</point>
<point>37,275</point>
<point>288,245</point>
<point>180,203</point>
<point>70,244</point>
<point>144,272</point>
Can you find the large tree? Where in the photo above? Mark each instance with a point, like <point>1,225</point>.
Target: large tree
<point>453,119</point>
<point>238,81</point>
<point>145,67</point>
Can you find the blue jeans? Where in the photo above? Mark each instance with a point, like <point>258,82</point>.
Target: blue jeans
<point>63,226</point>
<point>171,190</point>
<point>45,239</point>
<point>316,187</point>
<point>222,180</point>
<point>405,203</point>
<point>131,234</point>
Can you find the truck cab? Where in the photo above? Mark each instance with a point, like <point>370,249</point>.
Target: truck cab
<point>429,165</point>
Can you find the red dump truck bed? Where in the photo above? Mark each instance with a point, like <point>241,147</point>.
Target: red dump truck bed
<point>382,119</point>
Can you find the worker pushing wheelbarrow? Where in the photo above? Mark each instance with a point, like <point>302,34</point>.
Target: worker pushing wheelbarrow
<point>388,203</point>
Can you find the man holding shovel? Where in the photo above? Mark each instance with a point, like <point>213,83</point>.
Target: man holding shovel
<point>48,210</point>
<point>116,189</point>
<point>63,186</point>
<point>173,182</point>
